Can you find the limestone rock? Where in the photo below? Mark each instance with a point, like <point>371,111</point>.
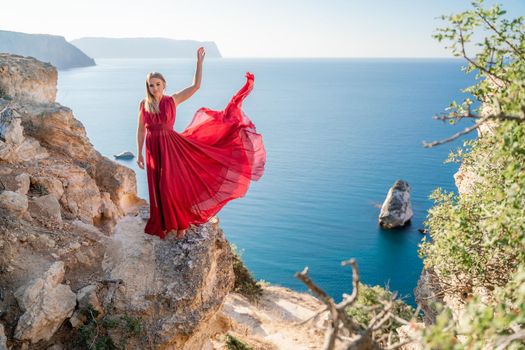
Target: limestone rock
<point>3,338</point>
<point>11,129</point>
<point>119,181</point>
<point>81,195</point>
<point>108,213</point>
<point>23,182</point>
<point>14,147</point>
<point>26,78</point>
<point>46,207</point>
<point>14,203</point>
<point>428,292</point>
<point>86,297</point>
<point>14,181</point>
<point>396,210</point>
<point>56,128</point>
<point>174,286</point>
<point>50,185</point>
<point>46,304</point>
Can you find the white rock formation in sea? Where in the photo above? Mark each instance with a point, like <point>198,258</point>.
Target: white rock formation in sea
<point>397,209</point>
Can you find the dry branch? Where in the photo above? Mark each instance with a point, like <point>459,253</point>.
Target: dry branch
<point>339,318</point>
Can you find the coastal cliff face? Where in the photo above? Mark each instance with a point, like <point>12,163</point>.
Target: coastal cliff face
<point>429,289</point>
<point>72,238</point>
<point>44,47</point>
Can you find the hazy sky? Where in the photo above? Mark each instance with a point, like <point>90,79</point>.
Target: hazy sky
<point>256,28</point>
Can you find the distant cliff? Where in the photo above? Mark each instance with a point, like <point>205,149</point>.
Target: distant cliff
<point>144,47</point>
<point>47,48</point>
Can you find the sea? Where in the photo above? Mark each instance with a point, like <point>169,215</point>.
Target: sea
<point>338,133</point>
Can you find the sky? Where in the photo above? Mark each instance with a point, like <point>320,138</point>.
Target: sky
<point>253,28</point>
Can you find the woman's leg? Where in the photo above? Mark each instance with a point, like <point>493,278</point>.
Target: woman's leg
<point>181,233</point>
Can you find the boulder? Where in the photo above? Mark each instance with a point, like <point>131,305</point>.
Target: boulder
<point>14,181</point>
<point>81,195</point>
<point>56,128</point>
<point>174,286</point>
<point>119,181</point>
<point>46,304</point>
<point>14,203</point>
<point>14,147</point>
<point>23,181</point>
<point>396,210</point>
<point>86,297</point>
<point>46,207</point>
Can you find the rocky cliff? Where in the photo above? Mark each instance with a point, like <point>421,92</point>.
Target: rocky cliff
<point>72,240</point>
<point>47,48</point>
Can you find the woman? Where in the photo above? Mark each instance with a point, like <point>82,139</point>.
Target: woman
<point>193,174</point>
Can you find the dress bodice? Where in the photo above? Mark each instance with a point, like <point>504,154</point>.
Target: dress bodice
<point>162,120</point>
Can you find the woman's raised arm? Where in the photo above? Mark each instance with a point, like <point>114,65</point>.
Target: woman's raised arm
<point>186,93</point>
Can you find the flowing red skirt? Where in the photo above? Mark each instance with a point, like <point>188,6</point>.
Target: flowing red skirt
<point>193,174</point>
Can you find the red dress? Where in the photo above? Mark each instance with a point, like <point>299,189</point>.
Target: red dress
<point>193,174</point>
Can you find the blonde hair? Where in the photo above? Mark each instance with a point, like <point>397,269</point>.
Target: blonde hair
<point>150,105</point>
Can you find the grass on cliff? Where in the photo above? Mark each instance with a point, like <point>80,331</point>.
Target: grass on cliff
<point>245,283</point>
<point>94,333</point>
<point>233,343</point>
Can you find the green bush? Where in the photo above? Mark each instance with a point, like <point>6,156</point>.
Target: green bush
<point>233,343</point>
<point>245,284</point>
<point>478,239</point>
<point>94,333</point>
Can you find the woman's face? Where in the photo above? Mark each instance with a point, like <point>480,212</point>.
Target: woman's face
<point>156,87</point>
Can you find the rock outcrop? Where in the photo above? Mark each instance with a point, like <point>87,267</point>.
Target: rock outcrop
<point>396,210</point>
<point>46,304</point>
<point>174,287</point>
<point>46,48</point>
<point>27,79</point>
<point>42,139</point>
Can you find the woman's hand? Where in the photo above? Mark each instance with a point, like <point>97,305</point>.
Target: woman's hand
<point>140,161</point>
<point>200,54</point>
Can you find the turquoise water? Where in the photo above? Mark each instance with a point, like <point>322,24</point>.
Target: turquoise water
<point>337,132</point>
